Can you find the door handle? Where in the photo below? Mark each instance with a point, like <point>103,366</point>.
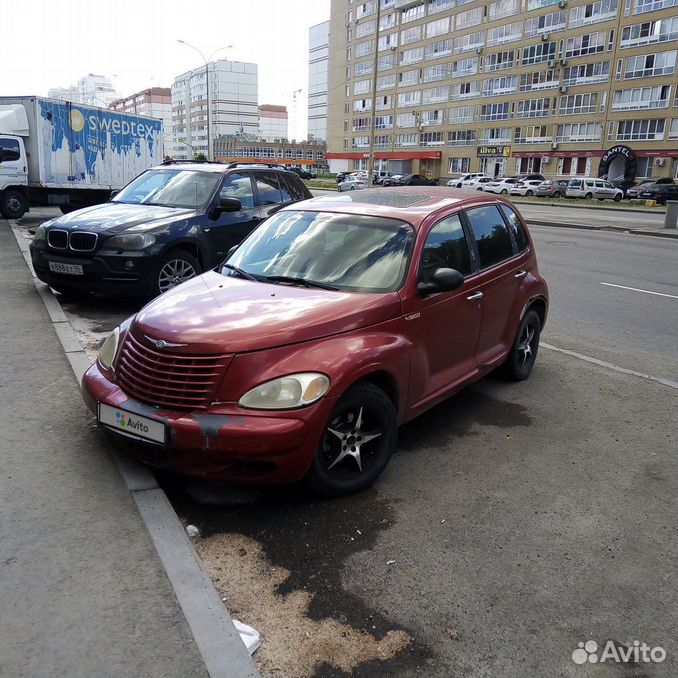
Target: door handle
<point>520,274</point>
<point>475,297</point>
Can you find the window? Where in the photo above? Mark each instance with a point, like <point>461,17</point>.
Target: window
<point>431,139</point>
<point>406,78</point>
<point>9,150</point>
<point>495,134</point>
<point>491,234</point>
<point>437,27</point>
<point>413,13</point>
<point>290,189</point>
<point>465,67</point>
<point>591,43</point>
<point>499,60</point>
<point>650,32</point>
<point>365,28</point>
<point>465,90</point>
<point>471,17</point>
<point>495,111</point>
<point>412,56</point>
<point>579,131</point>
<point>410,35</point>
<point>640,130</point>
<point>433,73</point>
<point>459,165</point>
<point>534,54</point>
<point>534,134</point>
<point>384,103</point>
<point>385,62</point>
<point>445,247</point>
<point>460,114</point>
<point>547,23</point>
<point>364,48</point>
<point>505,33</point>
<point>383,122</point>
<point>538,80</point>
<point>647,65</point>
<point>440,5</point>
<point>238,186</point>
<point>436,95</point>
<point>363,67</point>
<point>642,6</point>
<point>462,138</point>
<point>577,104</point>
<point>641,97</point>
<point>584,74</point>
<point>388,41</point>
<point>404,140</point>
<point>362,86</point>
<point>602,10</point>
<point>502,8</point>
<point>516,226</point>
<point>385,82</point>
<point>533,108</point>
<point>409,98</point>
<point>673,131</point>
<point>538,4</point>
<point>438,49</point>
<point>405,120</point>
<point>504,85</point>
<point>469,42</point>
<point>434,117</point>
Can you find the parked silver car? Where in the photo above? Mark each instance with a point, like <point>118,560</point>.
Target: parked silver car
<point>593,188</point>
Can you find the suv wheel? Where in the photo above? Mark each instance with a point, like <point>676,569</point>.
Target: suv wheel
<point>523,353</point>
<point>618,197</point>
<point>588,196</point>
<point>504,191</point>
<point>13,205</point>
<point>556,194</point>
<point>529,193</point>
<point>357,443</point>
<point>174,268</point>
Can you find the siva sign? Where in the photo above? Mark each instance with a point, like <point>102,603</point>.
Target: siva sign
<point>494,151</point>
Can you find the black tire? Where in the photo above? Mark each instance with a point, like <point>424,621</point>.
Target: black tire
<point>178,261</point>
<point>520,361</point>
<point>504,191</point>
<point>353,188</point>
<point>556,194</point>
<point>618,198</point>
<point>336,470</point>
<point>13,204</point>
<point>588,196</point>
<point>529,194</point>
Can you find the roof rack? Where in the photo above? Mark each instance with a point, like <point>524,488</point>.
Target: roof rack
<point>256,164</point>
<point>189,162</point>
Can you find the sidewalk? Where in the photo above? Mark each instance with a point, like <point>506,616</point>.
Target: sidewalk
<point>82,587</point>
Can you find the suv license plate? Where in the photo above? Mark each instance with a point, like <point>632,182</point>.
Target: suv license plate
<point>68,269</point>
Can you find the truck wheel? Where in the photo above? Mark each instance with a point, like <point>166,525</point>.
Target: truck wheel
<point>13,204</point>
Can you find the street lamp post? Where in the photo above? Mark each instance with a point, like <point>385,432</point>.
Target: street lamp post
<point>207,91</point>
<point>370,161</point>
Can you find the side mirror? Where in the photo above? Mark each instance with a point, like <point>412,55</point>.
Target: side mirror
<point>228,205</point>
<point>231,250</point>
<point>114,193</point>
<point>442,280</point>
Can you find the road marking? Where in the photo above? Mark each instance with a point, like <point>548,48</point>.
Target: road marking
<point>603,363</point>
<point>635,289</point>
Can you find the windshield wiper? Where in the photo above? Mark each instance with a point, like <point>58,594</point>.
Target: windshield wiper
<point>241,273</point>
<point>299,281</point>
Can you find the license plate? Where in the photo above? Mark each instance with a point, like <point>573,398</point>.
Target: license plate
<point>68,269</point>
<point>132,425</point>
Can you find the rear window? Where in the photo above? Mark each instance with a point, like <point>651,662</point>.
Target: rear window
<point>491,234</point>
<point>516,226</point>
<point>268,187</point>
<point>292,189</point>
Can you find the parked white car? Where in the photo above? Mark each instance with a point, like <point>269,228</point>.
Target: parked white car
<point>351,183</point>
<point>527,188</point>
<point>459,181</point>
<point>478,183</point>
<point>501,186</point>
<point>593,188</point>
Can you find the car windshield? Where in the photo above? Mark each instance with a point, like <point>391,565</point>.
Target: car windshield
<point>170,188</point>
<point>354,253</point>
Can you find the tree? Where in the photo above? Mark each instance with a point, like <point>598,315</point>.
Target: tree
<point>200,157</point>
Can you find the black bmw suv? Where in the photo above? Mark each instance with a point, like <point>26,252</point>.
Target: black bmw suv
<point>169,224</point>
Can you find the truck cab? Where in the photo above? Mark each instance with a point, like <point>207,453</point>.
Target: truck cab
<point>13,177</point>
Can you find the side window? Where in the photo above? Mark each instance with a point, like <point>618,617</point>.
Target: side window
<point>9,150</point>
<point>516,227</point>
<point>445,247</point>
<point>238,186</point>
<point>291,188</point>
<point>268,188</point>
<point>491,234</point>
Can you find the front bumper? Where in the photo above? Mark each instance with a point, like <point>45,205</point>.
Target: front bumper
<point>102,273</point>
<point>223,443</point>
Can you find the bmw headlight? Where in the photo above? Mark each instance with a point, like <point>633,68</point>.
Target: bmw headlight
<point>130,241</point>
<point>109,349</point>
<point>41,232</point>
<point>284,393</point>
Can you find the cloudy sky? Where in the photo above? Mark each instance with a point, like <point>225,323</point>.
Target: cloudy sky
<point>54,43</point>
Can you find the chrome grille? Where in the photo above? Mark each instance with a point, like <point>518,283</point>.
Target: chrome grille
<point>57,239</point>
<point>174,380</point>
<point>82,241</point>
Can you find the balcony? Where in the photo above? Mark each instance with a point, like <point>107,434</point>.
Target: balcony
<point>640,105</point>
<point>407,4</point>
<point>533,140</point>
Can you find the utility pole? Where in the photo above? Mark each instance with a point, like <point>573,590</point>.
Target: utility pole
<point>370,161</point>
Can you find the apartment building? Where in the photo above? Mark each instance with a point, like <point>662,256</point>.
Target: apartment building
<point>248,148</point>
<point>562,87</point>
<point>318,65</point>
<point>272,122</point>
<point>155,102</point>
<point>90,90</point>
<point>233,104</point>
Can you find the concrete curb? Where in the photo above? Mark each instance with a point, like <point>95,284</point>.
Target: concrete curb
<point>219,644</point>
<point>609,229</point>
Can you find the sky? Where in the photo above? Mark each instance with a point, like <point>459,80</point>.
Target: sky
<point>136,42</point>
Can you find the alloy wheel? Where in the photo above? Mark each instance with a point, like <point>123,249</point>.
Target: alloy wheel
<point>351,442</point>
<point>526,346</point>
<point>174,272</point>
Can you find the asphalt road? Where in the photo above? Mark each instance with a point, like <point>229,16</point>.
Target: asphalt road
<point>515,520</point>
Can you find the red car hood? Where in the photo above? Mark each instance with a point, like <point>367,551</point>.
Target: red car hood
<point>220,314</point>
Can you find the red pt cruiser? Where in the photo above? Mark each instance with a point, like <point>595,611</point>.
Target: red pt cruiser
<point>337,320</point>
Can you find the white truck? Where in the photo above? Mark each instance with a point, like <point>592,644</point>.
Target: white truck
<point>69,155</point>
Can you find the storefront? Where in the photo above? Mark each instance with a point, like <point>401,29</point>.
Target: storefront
<point>494,159</point>
<point>395,162</point>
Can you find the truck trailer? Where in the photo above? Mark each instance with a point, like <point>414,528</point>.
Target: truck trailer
<point>69,155</point>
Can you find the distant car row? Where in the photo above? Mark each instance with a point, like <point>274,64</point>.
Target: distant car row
<point>587,188</point>
<point>351,182</point>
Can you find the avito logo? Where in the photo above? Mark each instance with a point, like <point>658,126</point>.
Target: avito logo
<point>126,421</point>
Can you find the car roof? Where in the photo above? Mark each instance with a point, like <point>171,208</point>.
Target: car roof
<point>409,203</point>
<point>217,167</point>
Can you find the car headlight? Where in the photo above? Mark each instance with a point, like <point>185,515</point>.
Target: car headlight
<point>41,232</point>
<point>109,349</point>
<point>130,241</point>
<point>284,393</point>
